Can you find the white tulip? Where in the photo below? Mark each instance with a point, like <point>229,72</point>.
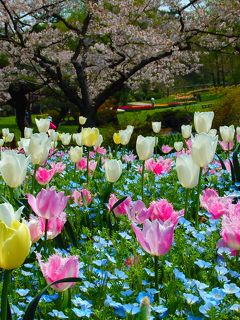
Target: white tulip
<point>113,170</point>
<point>23,143</point>
<point>238,131</point>
<point>75,154</point>
<point>178,145</point>
<point>212,132</point>
<point>156,126</point>
<point>7,214</point>
<point>53,134</point>
<point>145,147</point>
<point>186,131</point>
<point>42,125</point>
<point>65,138</point>
<point>78,138</point>
<point>203,121</point>
<point>125,136</point>
<point>82,120</point>
<point>99,141</point>
<point>28,132</point>
<point>9,137</point>
<point>227,133</point>
<point>5,132</point>
<point>13,168</point>
<point>39,147</point>
<point>187,171</point>
<point>130,128</point>
<point>203,148</point>
<point>1,142</point>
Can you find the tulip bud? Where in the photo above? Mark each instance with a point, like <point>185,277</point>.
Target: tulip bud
<point>186,131</point>
<point>76,154</point>
<point>145,147</point>
<point>203,121</point>
<point>125,136</point>
<point>53,135</point>
<point>65,138</point>
<point>82,120</point>
<point>78,138</point>
<point>116,138</point>
<point>1,142</point>
<point>227,133</point>
<point>13,168</point>
<point>187,171</point>
<point>130,128</point>
<point>5,132</point>
<point>90,136</point>
<point>156,126</point>
<point>113,170</point>
<point>24,144</point>
<point>178,145</point>
<point>14,245</point>
<point>39,147</point>
<point>203,148</point>
<point>99,141</point>
<point>9,137</point>
<point>42,125</point>
<point>28,132</point>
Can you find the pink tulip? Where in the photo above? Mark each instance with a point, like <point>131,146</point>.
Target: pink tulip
<point>48,203</point>
<point>163,211</point>
<point>129,158</point>
<point>92,166</point>
<point>54,226</point>
<point>231,227</point>
<point>225,145</point>
<point>35,228</point>
<point>59,167</point>
<point>100,150</point>
<point>137,212</point>
<point>166,149</point>
<point>82,164</point>
<point>215,205</point>
<point>43,176</point>
<point>58,268</point>
<point>156,237</point>
<point>159,166</point>
<point>78,196</point>
<point>189,143</point>
<point>121,209</point>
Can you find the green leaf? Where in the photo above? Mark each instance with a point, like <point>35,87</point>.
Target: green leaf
<point>31,309</point>
<point>69,229</point>
<point>222,162</point>
<point>236,165</point>
<point>116,204</point>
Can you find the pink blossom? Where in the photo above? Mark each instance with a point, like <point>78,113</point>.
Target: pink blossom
<point>82,164</point>
<point>231,227</point>
<point>129,157</point>
<point>59,167</point>
<point>92,166</point>
<point>43,176</point>
<point>137,212</point>
<point>92,154</point>
<point>238,138</point>
<point>163,211</point>
<point>159,166</point>
<point>225,145</point>
<point>100,150</point>
<point>78,196</point>
<point>166,148</point>
<point>48,203</point>
<point>58,268</point>
<point>54,226</point>
<point>156,237</point>
<point>189,143</point>
<point>215,205</point>
<point>121,209</point>
<point>35,228</point>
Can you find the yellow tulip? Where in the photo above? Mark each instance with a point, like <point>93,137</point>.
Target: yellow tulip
<point>116,138</point>
<point>15,242</point>
<point>90,136</point>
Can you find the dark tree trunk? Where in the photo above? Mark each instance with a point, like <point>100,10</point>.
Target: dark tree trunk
<point>20,103</point>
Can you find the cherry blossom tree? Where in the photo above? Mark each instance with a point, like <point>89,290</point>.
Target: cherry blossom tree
<point>91,49</point>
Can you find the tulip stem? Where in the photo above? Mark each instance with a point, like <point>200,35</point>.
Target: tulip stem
<point>198,196</point>
<point>156,278</point>
<point>237,255</point>
<point>87,165</point>
<point>45,233</point>
<point>186,203</point>
<point>33,177</point>
<point>4,300</point>
<point>74,174</point>
<point>143,169</point>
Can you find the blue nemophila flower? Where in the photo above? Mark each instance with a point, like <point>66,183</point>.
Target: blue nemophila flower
<point>22,292</point>
<point>132,308</point>
<point>235,307</point>
<point>190,298</point>
<point>234,274</point>
<point>221,271</point>
<point>192,317</point>
<point>127,293</point>
<point>109,302</point>
<point>120,274</point>
<point>83,312</point>
<point>204,309</point>
<point>120,312</point>
<point>125,235</point>
<point>203,264</point>
<point>111,259</point>
<point>144,294</point>
<point>160,310</point>
<point>82,303</point>
<point>200,285</point>
<point>26,273</point>
<point>231,288</point>
<point>217,294</point>
<point>100,263</point>
<point>223,279</point>
<point>149,272</point>
<point>16,310</point>
<point>57,314</point>
<point>49,297</point>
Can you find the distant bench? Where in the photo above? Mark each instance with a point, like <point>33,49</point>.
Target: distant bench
<point>205,106</point>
